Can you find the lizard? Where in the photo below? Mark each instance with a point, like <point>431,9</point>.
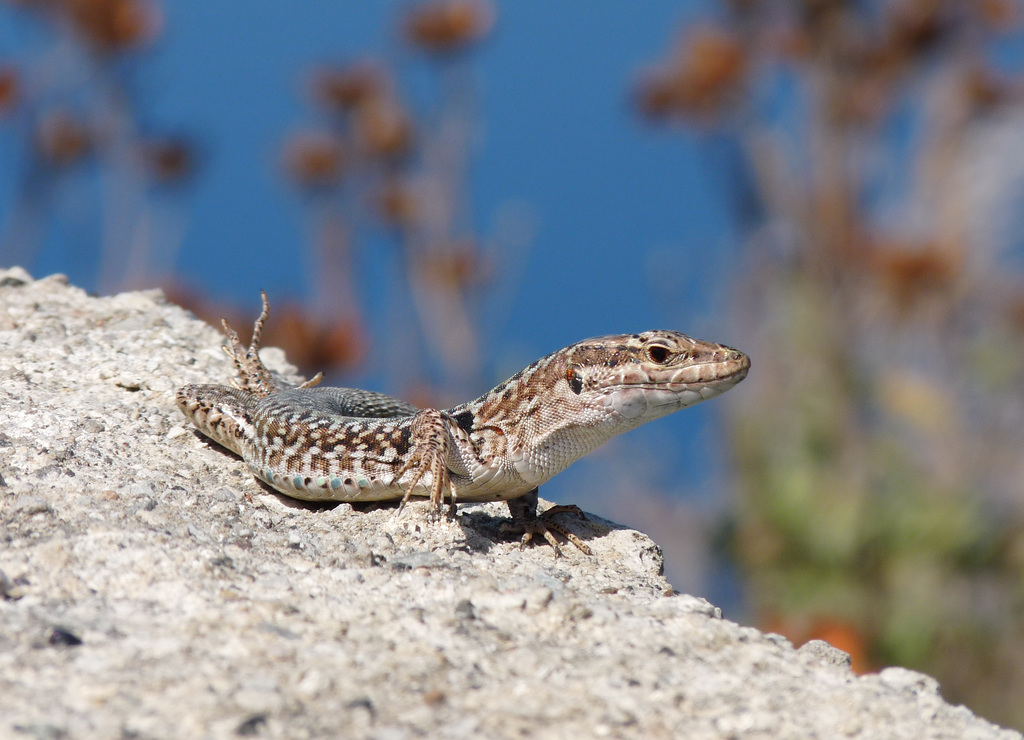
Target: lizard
<point>342,444</point>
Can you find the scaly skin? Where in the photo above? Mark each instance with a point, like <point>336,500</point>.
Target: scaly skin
<point>343,444</point>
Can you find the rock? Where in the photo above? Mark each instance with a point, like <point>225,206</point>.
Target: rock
<point>151,588</point>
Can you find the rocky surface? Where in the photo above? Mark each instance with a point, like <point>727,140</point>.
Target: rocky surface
<point>152,589</point>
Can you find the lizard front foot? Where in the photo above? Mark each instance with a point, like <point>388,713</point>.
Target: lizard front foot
<point>527,521</point>
<point>428,453</point>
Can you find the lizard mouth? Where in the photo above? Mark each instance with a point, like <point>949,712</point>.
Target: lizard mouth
<point>716,374</point>
<point>648,398</point>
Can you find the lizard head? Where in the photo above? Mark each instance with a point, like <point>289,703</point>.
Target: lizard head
<point>608,385</point>
<point>568,403</point>
<point>643,376</point>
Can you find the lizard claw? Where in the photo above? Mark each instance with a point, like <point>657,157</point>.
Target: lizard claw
<point>315,380</point>
<point>547,529</point>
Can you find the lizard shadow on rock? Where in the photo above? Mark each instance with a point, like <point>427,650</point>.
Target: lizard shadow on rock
<point>476,538</point>
<point>588,527</point>
<point>482,528</point>
<point>291,503</point>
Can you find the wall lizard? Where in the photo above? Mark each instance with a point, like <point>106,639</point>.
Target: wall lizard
<point>342,444</point>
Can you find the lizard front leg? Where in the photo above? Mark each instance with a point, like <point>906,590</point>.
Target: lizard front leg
<point>430,447</point>
<point>526,520</point>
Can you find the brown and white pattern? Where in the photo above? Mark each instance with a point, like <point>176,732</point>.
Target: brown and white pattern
<point>345,444</point>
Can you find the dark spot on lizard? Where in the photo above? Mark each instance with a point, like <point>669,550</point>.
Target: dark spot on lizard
<point>403,440</point>
<point>465,421</point>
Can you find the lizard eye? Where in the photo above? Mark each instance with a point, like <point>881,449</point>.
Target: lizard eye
<point>658,353</point>
<point>575,379</point>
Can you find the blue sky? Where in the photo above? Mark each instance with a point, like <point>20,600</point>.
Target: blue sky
<point>609,193</point>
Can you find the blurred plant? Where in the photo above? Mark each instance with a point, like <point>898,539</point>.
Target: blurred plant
<point>9,90</point>
<point>877,449</point>
<point>376,166</point>
<point>448,26</point>
<point>69,106</point>
<point>375,151</point>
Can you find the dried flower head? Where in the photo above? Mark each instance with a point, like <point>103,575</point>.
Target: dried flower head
<point>443,26</point>
<point>311,343</point>
<point>342,344</point>
<point>314,159</point>
<point>918,25</point>
<point>114,25</point>
<point>348,87</point>
<point>700,76</point>
<point>1000,14</point>
<point>910,272</point>
<point>455,266</point>
<point>10,89</point>
<point>383,128</point>
<point>61,139</point>
<point>397,203</point>
<point>168,160</point>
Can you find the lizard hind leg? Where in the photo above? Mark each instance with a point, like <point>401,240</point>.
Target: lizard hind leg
<point>253,375</point>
